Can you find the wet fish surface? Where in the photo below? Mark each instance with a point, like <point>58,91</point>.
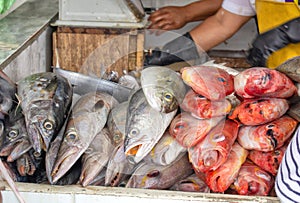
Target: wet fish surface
<point>152,176</point>
<point>166,151</point>
<point>95,157</point>
<point>164,89</point>
<point>269,136</point>
<point>144,127</point>
<point>45,99</point>
<point>263,82</point>
<point>201,107</point>
<point>220,179</point>
<point>88,117</point>
<point>252,180</point>
<point>189,130</point>
<point>210,153</point>
<point>259,111</point>
<point>211,82</point>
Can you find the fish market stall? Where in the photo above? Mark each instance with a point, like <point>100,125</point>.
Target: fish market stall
<point>91,144</point>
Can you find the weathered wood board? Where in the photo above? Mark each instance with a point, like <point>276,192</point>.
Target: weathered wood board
<point>96,51</point>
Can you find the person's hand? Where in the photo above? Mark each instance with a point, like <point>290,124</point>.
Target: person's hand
<point>167,18</point>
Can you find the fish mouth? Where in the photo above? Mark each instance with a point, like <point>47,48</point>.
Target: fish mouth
<point>7,150</point>
<point>20,148</point>
<point>91,170</point>
<point>36,137</point>
<point>64,163</point>
<point>137,152</point>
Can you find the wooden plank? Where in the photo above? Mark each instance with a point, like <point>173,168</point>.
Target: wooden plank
<point>97,51</point>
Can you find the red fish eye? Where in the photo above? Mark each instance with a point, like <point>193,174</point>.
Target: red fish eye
<point>178,127</point>
<point>153,174</point>
<point>221,79</point>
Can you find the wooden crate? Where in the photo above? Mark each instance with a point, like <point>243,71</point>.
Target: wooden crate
<point>96,51</point>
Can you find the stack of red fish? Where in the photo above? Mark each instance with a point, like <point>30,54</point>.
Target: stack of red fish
<point>237,148</point>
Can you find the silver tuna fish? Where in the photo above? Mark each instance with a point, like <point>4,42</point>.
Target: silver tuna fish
<point>166,151</point>
<point>95,158</point>
<point>163,87</point>
<point>118,167</point>
<point>152,176</point>
<point>144,127</point>
<point>87,119</point>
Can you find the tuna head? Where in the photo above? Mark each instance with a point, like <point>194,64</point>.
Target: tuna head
<point>163,88</point>
<point>41,125</point>
<point>45,99</point>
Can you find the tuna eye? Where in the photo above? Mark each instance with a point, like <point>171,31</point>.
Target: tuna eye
<point>168,97</point>
<point>153,174</point>
<point>133,132</point>
<point>13,134</point>
<point>71,136</point>
<point>48,125</point>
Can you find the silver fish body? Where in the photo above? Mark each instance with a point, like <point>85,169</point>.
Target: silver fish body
<point>118,167</point>
<point>191,184</point>
<point>95,158</point>
<point>144,127</point>
<point>88,118</point>
<point>166,151</point>
<point>45,100</point>
<point>15,139</point>
<point>116,122</point>
<point>153,176</point>
<point>52,153</point>
<point>163,88</point>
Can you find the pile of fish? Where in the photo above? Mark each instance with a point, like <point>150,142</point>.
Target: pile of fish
<point>207,128</point>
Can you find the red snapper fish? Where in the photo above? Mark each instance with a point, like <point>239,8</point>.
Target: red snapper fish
<point>201,107</point>
<point>252,180</point>
<point>259,111</point>
<point>220,179</point>
<point>188,130</point>
<point>263,82</point>
<point>269,161</point>
<point>267,137</point>
<point>213,150</point>
<point>211,82</point>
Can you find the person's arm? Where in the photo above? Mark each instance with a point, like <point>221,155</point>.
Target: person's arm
<point>209,33</point>
<point>217,28</point>
<point>175,17</point>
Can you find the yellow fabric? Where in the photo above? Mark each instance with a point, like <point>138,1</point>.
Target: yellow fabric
<point>271,14</point>
<point>281,55</point>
